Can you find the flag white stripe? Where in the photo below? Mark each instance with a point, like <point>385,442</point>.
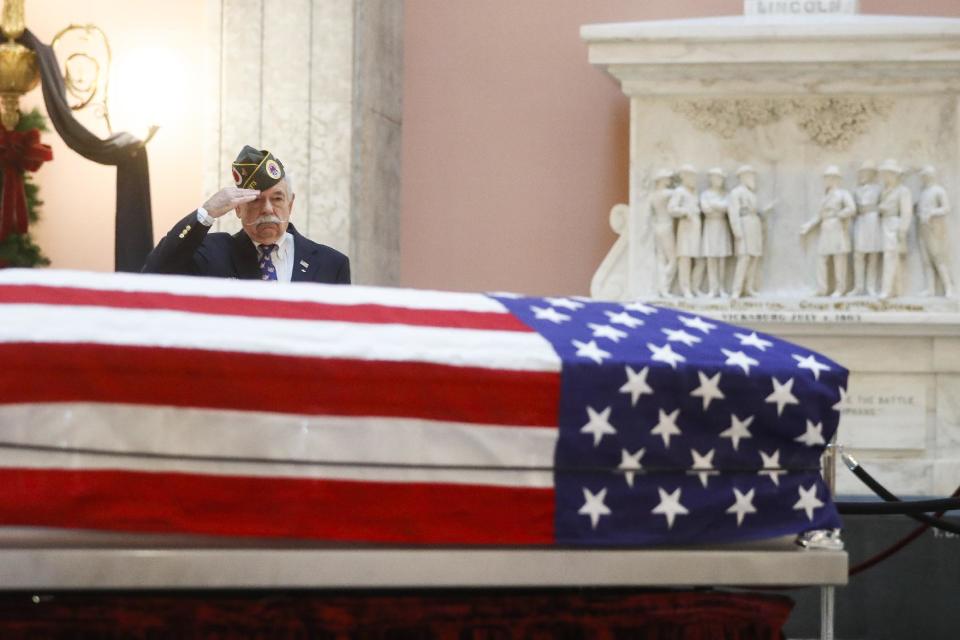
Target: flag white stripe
<point>509,350</point>
<point>255,290</point>
<point>236,434</point>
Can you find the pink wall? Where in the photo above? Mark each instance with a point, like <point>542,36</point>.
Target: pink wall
<point>514,147</point>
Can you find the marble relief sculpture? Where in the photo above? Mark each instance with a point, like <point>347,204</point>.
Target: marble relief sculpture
<point>932,209</point>
<point>896,213</point>
<point>664,231</point>
<point>867,237</point>
<point>747,229</point>
<point>836,209</point>
<point>870,224</point>
<point>716,245</point>
<point>684,206</point>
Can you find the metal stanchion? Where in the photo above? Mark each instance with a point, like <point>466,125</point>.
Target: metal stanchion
<point>828,593</point>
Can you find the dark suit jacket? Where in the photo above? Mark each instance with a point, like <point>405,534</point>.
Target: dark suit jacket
<point>190,249</point>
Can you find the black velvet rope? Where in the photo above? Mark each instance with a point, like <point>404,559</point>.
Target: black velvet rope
<point>908,507</point>
<point>893,505</point>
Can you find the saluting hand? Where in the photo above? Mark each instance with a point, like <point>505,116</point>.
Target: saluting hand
<point>228,199</point>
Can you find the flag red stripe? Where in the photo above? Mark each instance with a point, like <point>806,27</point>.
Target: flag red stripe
<point>55,372</point>
<point>334,510</point>
<point>251,307</point>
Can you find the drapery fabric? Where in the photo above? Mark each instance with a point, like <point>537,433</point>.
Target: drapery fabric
<point>399,615</point>
<point>134,226</point>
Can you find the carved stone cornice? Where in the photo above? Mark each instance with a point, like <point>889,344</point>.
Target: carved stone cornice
<point>833,122</point>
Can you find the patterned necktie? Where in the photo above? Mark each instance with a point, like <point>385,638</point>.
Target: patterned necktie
<point>267,270</point>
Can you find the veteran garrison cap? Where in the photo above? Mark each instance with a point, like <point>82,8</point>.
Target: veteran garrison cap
<point>255,169</point>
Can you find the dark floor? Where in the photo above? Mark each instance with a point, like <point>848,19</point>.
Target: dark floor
<point>913,595</point>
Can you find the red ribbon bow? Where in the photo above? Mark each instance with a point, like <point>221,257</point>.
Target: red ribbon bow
<point>20,151</point>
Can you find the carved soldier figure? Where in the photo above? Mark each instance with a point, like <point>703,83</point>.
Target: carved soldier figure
<point>867,236</point>
<point>683,205</point>
<point>932,209</point>
<point>836,208</point>
<point>716,245</point>
<point>896,213</point>
<point>747,228</point>
<point>664,232</point>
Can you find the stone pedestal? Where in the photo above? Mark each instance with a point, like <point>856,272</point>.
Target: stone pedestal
<point>319,83</point>
<point>790,95</point>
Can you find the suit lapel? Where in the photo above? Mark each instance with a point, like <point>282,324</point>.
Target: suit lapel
<point>244,257</point>
<point>305,264</point>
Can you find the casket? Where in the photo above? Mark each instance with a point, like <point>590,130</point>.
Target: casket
<point>174,405</point>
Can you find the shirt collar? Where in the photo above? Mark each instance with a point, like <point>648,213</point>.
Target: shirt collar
<point>285,240</point>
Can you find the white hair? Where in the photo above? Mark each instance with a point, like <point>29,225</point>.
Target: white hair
<point>289,180</point>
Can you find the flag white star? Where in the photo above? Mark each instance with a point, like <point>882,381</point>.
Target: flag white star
<point>743,504</point>
<point>812,364</point>
<point>667,426</point>
<point>808,500</point>
<point>782,394</point>
<point>624,318</point>
<point>591,350</point>
<point>665,354</point>
<point>739,359</point>
<point>812,436</point>
<point>606,331</point>
<point>630,464</point>
<point>771,466</point>
<point>753,340</point>
<point>593,506</point>
<point>703,465</point>
<point>636,384</point>
<point>598,425</point>
<point>565,303</point>
<point>842,402</point>
<point>697,323</point>
<point>549,313</point>
<point>639,307</point>
<point>739,430</point>
<point>708,390</point>
<point>670,506</point>
<point>679,335</point>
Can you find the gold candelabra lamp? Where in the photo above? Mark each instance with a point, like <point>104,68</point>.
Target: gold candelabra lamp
<point>18,64</point>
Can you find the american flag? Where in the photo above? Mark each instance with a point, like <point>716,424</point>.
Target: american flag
<point>193,405</point>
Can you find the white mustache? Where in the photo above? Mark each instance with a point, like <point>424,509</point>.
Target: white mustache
<point>267,219</point>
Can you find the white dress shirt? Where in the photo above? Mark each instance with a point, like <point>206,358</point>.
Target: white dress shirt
<point>282,257</point>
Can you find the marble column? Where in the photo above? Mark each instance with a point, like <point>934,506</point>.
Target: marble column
<point>319,83</point>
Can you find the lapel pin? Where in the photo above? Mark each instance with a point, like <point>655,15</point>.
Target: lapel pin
<point>304,264</point>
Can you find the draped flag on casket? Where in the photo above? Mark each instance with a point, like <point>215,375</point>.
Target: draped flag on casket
<point>195,405</point>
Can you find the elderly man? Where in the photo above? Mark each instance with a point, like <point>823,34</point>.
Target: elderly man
<point>268,247</point>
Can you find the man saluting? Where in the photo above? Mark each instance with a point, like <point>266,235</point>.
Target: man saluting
<point>268,247</point>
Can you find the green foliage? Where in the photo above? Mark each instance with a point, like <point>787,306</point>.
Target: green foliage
<point>32,120</point>
<point>19,250</point>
